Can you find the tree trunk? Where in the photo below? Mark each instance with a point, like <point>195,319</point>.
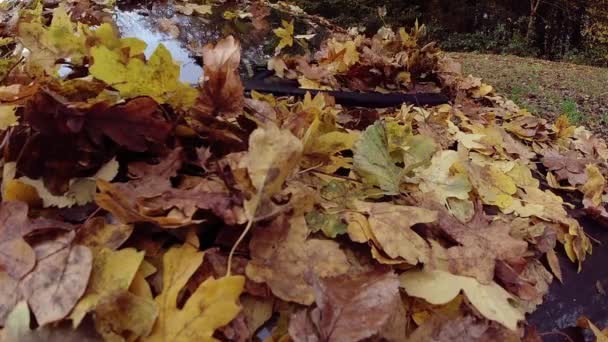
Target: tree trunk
<point>534,4</point>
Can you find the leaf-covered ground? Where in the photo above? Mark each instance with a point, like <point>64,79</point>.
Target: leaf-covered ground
<point>137,207</point>
<point>548,89</point>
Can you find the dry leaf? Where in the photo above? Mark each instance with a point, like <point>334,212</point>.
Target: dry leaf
<point>440,287</point>
<point>282,257</point>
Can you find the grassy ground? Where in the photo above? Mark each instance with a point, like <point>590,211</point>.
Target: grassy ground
<point>546,88</point>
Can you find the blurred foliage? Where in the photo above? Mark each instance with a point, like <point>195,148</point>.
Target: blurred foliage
<point>571,30</point>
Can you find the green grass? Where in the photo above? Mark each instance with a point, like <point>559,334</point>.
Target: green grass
<point>546,88</point>
<point>570,108</point>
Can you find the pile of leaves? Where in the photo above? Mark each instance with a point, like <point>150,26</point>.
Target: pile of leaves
<point>138,207</point>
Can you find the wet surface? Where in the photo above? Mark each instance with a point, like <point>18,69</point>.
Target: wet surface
<point>134,24</point>
<point>195,31</point>
<point>579,295</point>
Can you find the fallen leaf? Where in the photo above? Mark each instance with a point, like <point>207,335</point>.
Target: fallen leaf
<point>212,305</point>
<point>285,34</point>
<point>222,93</point>
<point>123,312</point>
<point>157,78</point>
<point>112,272</point>
<point>58,280</point>
<point>281,256</point>
<point>584,322</point>
<point>168,26</point>
<point>373,162</point>
<point>17,328</point>
<point>340,303</point>
<point>440,287</point>
<point>273,155</point>
<point>391,228</point>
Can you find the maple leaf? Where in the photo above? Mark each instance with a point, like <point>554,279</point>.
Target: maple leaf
<point>157,78</point>
<point>62,39</point>
<point>440,287</point>
<point>285,33</point>
<point>438,180</point>
<point>340,302</point>
<point>569,167</point>
<point>222,92</point>
<point>391,228</point>
<point>373,162</point>
<point>212,305</point>
<point>281,255</point>
<point>593,189</point>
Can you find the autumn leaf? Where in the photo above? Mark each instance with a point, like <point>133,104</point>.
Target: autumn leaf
<point>158,77</point>
<point>273,155</point>
<point>112,272</point>
<point>391,228</point>
<point>285,34</point>
<point>340,304</point>
<point>438,179</point>
<point>212,305</point>
<point>18,328</point>
<point>124,312</point>
<point>222,93</point>
<point>586,323</point>
<point>17,257</point>
<point>282,255</point>
<point>440,287</point>
<point>58,280</point>
<point>7,117</point>
<point>373,162</point>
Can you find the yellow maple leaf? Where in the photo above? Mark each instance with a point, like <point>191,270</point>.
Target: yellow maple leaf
<point>212,305</point>
<point>112,271</point>
<point>285,33</point>
<point>440,287</point>
<point>157,78</point>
